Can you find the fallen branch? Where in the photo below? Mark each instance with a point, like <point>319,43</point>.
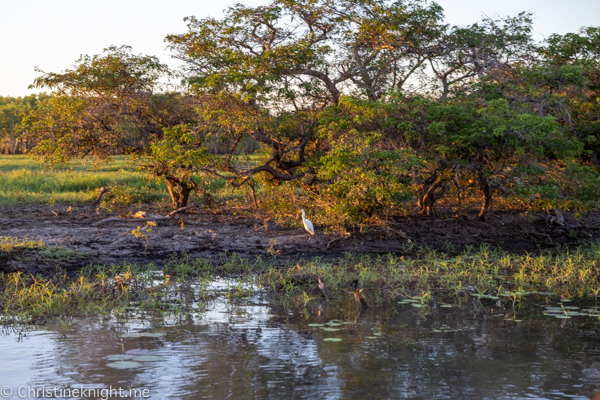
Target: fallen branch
<point>117,219</point>
<point>142,216</point>
<point>179,210</point>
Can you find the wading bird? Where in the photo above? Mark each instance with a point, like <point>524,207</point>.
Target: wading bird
<point>307,224</point>
<point>324,289</point>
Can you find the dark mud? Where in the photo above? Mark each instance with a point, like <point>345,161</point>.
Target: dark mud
<point>209,234</point>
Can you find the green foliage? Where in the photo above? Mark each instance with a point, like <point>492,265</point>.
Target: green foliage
<point>180,153</point>
<point>358,177</point>
<point>120,199</point>
<point>23,181</point>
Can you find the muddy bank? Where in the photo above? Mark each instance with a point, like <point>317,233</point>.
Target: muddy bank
<point>207,234</point>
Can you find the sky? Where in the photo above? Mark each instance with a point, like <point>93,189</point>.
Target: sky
<point>53,34</point>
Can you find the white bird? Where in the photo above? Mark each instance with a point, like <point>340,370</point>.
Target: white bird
<point>307,224</point>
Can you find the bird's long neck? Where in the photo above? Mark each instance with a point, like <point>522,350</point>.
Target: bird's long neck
<point>303,216</point>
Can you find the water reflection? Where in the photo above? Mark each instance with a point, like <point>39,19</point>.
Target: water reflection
<point>262,349</point>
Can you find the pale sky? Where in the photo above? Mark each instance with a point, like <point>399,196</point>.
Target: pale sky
<point>53,34</point>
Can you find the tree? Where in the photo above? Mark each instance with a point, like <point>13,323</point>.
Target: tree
<point>267,71</point>
<point>109,104</point>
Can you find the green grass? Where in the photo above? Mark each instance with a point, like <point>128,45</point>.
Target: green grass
<point>569,273</point>
<point>25,181</point>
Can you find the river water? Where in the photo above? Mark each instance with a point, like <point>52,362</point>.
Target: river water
<point>263,348</point>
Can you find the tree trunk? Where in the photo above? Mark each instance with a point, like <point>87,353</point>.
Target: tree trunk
<point>595,160</point>
<point>488,203</point>
<point>253,193</point>
<point>179,191</point>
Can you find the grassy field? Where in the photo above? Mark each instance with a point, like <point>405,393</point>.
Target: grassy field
<point>25,181</point>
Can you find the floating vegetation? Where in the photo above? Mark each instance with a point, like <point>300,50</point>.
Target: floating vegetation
<point>124,364</point>
<point>119,357</point>
<point>148,358</point>
<point>332,340</point>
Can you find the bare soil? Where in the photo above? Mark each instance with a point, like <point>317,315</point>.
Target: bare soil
<point>209,234</point>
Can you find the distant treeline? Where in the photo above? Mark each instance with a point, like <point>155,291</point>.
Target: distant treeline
<point>12,111</point>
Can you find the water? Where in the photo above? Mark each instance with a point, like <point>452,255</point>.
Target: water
<point>263,349</point>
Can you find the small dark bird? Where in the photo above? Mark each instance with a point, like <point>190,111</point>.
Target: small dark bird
<point>324,289</point>
<point>359,298</point>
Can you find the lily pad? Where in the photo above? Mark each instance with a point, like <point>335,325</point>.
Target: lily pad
<point>372,337</point>
<point>417,305</point>
<point>316,324</point>
<point>332,339</point>
<point>157,334</point>
<point>119,357</point>
<point>562,316</point>
<point>330,329</point>
<point>566,300</point>
<point>446,306</point>
<point>377,333</point>
<point>148,358</point>
<point>130,335</point>
<point>571,308</point>
<point>124,364</point>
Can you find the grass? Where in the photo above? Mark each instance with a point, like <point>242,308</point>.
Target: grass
<point>24,181</point>
<point>568,273</point>
<point>184,283</point>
